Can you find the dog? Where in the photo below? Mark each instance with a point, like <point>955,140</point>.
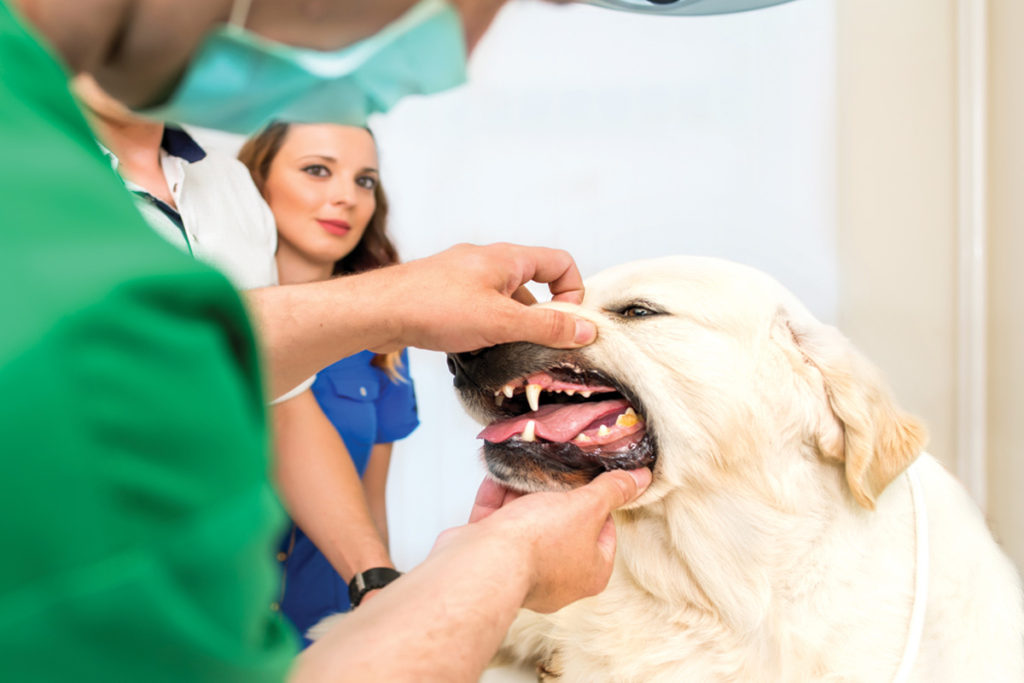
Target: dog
<point>794,529</point>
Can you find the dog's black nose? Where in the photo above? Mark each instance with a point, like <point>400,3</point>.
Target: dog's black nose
<point>461,365</point>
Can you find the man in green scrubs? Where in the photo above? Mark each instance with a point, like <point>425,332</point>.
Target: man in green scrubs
<point>138,508</point>
<point>138,513</point>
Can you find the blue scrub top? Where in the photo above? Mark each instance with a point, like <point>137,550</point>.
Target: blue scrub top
<point>367,407</point>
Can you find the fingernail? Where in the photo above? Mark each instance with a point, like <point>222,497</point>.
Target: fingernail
<point>642,477</point>
<point>586,332</point>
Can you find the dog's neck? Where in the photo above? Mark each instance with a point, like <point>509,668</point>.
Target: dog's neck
<point>746,555</point>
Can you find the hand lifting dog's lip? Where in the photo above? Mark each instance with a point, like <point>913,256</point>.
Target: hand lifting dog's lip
<point>553,420</point>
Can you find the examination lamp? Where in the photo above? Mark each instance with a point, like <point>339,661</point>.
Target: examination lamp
<point>685,7</point>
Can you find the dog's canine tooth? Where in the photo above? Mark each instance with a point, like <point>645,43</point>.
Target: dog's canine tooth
<point>499,398</point>
<point>529,431</point>
<point>533,396</point>
<point>508,390</point>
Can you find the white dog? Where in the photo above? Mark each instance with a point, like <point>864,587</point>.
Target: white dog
<point>794,530</point>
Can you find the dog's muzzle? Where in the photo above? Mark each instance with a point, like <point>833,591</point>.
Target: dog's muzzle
<point>552,420</point>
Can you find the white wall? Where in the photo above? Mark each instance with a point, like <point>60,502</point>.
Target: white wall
<point>616,137</point>
<point>1006,278</point>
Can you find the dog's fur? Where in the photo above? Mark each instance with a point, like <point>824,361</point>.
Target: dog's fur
<point>776,542</point>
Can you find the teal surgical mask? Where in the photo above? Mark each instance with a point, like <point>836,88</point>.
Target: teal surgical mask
<point>685,7</point>
<point>239,81</point>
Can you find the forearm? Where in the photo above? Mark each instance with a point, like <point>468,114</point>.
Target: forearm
<point>458,300</point>
<point>375,484</point>
<point>321,488</point>
<point>443,621</point>
<point>304,328</point>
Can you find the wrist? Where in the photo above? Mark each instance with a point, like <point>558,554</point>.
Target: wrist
<point>503,548</point>
<point>382,324</point>
<point>369,580</point>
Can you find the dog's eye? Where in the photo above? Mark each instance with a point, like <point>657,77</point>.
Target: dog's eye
<point>636,311</point>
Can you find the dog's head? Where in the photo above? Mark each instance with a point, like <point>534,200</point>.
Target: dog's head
<point>700,366</point>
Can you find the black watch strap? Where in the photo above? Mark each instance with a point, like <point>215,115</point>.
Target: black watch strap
<point>372,579</point>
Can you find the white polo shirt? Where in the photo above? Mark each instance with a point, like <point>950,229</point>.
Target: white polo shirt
<point>221,217</point>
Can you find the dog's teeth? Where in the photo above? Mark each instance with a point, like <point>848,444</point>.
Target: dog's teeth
<point>627,419</point>
<point>498,399</point>
<point>529,431</point>
<point>570,392</point>
<point>582,438</point>
<point>533,396</point>
<point>508,390</point>
<point>603,430</point>
<point>629,412</point>
<point>586,394</point>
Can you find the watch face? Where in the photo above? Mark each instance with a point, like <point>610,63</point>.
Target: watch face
<point>684,7</point>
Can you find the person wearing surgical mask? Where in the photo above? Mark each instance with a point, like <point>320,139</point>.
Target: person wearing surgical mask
<point>139,512</point>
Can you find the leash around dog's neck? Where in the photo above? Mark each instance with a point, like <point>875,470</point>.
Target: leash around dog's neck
<point>916,628</point>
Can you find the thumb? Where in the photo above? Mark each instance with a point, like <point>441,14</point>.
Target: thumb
<point>615,488</point>
<point>557,329</point>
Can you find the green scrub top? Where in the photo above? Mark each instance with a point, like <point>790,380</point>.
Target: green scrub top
<point>138,517</point>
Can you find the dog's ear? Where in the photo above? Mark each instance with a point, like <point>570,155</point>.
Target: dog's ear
<point>867,431</point>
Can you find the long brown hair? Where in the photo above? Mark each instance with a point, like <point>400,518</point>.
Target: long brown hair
<point>374,250</point>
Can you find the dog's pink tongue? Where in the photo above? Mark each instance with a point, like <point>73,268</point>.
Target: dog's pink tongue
<point>558,422</point>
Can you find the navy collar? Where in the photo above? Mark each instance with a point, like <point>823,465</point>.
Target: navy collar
<point>178,143</point>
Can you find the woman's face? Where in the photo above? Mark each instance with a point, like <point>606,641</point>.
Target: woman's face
<point>320,188</point>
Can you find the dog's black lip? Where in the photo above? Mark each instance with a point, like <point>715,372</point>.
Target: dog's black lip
<point>567,457</point>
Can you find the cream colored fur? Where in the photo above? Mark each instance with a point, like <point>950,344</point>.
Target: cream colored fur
<point>777,541</point>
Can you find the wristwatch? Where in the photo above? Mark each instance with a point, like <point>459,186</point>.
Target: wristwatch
<point>372,579</point>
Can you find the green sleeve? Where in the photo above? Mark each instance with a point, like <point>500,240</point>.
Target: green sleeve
<point>139,520</point>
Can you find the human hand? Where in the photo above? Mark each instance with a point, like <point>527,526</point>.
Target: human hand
<point>567,539</point>
<point>470,297</point>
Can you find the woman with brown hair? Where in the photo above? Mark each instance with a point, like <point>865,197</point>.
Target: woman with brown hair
<point>323,186</point>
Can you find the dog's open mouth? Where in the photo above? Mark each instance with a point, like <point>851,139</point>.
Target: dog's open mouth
<point>572,419</point>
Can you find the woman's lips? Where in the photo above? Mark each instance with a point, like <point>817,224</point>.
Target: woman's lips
<point>340,228</point>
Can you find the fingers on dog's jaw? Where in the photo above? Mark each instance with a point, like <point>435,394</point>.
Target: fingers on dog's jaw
<point>490,494</point>
<point>619,487</point>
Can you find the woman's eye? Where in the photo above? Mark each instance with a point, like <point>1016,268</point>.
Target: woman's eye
<point>367,182</point>
<point>317,170</point>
